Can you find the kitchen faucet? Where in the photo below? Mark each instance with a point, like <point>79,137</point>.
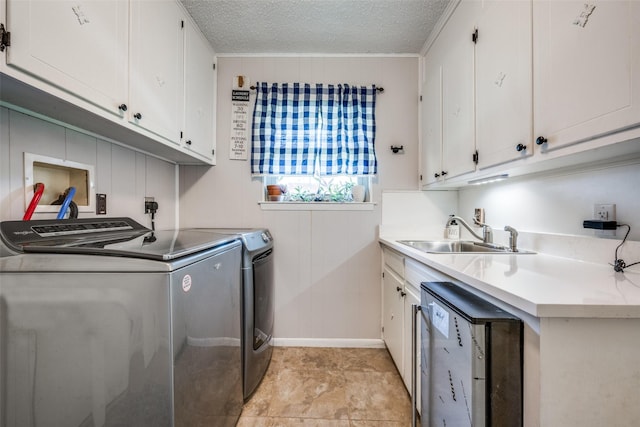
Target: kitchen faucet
<point>487,232</point>
<point>513,238</point>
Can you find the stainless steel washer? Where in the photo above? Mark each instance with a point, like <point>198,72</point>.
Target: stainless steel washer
<point>258,302</point>
<point>104,322</point>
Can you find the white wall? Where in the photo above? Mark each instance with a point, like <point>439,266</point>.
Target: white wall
<point>126,176</point>
<point>327,263</point>
<point>559,201</point>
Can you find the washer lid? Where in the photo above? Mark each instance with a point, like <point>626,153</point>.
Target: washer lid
<point>108,236</point>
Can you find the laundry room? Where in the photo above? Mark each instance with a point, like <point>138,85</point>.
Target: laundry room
<point>318,162</point>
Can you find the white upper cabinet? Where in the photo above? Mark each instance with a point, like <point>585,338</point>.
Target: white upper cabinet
<point>432,120</point>
<point>80,47</point>
<point>458,121</point>
<point>587,69</point>
<point>448,99</point>
<point>157,68</point>
<point>504,109</point>
<point>200,78</point>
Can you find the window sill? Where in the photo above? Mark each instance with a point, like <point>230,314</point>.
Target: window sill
<point>316,206</point>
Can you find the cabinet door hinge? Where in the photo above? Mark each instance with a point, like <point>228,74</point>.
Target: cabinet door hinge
<point>474,36</point>
<point>475,157</point>
<point>5,38</point>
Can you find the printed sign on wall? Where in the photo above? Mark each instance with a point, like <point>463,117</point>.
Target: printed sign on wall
<point>239,147</point>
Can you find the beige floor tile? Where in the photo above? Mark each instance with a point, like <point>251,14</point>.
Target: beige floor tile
<point>366,359</point>
<point>369,423</point>
<point>308,394</point>
<point>377,396</point>
<point>308,422</point>
<point>247,421</point>
<point>307,358</point>
<point>332,387</point>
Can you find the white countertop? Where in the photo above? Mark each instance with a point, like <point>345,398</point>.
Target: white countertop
<point>539,284</point>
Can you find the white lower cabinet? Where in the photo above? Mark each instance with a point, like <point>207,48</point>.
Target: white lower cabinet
<point>393,318</point>
<point>398,298</point>
<point>411,298</point>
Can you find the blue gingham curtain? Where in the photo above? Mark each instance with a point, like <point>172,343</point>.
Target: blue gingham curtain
<point>302,129</point>
<point>357,125</point>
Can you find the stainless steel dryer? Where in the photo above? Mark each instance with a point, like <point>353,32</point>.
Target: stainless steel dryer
<point>105,323</point>
<point>258,302</point>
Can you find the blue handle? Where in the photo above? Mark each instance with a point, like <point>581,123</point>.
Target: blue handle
<point>71,191</point>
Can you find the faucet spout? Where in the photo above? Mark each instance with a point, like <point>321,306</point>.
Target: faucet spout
<point>513,238</point>
<point>487,233</point>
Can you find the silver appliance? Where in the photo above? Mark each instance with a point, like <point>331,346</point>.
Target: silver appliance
<point>258,305</point>
<point>105,323</point>
<point>471,354</point>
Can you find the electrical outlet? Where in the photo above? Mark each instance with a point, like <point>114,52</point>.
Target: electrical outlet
<point>604,212</point>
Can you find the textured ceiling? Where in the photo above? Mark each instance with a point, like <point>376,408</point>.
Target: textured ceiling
<point>316,26</point>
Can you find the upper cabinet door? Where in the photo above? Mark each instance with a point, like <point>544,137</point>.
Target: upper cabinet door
<point>79,46</point>
<point>587,69</point>
<point>432,120</point>
<point>458,110</point>
<point>504,109</point>
<point>157,68</point>
<point>199,93</point>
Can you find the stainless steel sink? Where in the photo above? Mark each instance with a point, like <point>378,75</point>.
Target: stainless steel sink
<point>459,247</point>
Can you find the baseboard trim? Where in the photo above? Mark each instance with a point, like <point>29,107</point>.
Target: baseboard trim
<point>328,342</point>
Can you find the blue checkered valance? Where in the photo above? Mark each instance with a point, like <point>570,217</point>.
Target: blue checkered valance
<point>307,129</point>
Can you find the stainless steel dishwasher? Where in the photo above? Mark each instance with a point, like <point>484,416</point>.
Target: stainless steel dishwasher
<point>471,353</point>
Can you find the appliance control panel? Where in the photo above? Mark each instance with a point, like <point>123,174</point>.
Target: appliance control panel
<point>61,232</point>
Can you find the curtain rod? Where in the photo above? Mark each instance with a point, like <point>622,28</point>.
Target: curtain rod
<point>379,89</point>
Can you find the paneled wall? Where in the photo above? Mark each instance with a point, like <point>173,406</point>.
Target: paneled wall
<point>327,262</point>
<point>124,175</point>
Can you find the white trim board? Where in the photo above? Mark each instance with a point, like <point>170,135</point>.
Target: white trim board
<point>328,342</point>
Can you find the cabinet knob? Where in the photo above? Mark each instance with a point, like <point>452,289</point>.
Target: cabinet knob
<point>541,140</point>
<point>521,147</point>
<point>137,116</point>
<point>122,107</point>
<point>398,288</point>
<point>402,294</point>
<point>436,175</point>
<point>444,173</point>
<point>188,142</point>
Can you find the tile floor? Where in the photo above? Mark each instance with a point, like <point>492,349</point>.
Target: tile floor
<point>329,387</point>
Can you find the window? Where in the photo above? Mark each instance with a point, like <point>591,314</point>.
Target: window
<point>316,139</point>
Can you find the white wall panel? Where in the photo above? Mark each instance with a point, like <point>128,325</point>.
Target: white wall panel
<point>558,202</point>
<point>327,263</point>
<point>121,173</point>
<point>103,170</point>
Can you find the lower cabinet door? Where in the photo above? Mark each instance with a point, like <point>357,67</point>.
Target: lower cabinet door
<point>392,321</point>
